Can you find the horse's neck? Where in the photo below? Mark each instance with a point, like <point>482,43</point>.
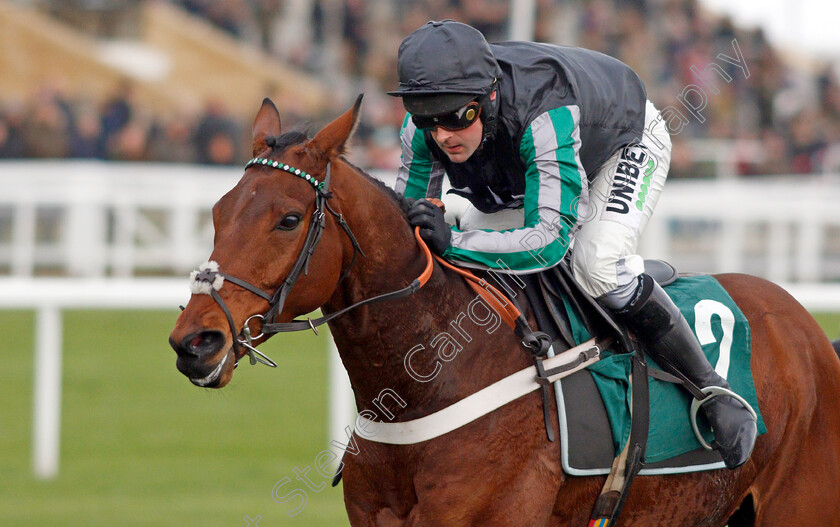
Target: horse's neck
<point>450,354</point>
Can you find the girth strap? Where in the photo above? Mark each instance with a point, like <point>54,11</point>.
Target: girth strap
<point>472,406</point>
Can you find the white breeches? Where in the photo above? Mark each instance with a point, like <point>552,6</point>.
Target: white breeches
<point>622,196</point>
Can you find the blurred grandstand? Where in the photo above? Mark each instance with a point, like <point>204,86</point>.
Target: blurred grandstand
<point>179,81</point>
<point>159,82</point>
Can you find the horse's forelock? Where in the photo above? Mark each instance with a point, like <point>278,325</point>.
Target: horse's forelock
<point>287,140</point>
<point>291,139</point>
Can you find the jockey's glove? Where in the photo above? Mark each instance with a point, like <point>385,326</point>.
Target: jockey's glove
<point>433,227</point>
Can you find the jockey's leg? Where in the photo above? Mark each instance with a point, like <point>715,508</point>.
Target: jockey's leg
<point>658,323</point>
<point>622,197</point>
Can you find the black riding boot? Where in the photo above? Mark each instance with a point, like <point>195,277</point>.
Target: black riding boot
<point>657,322</point>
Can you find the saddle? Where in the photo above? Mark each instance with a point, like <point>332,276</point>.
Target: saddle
<point>550,295</point>
<point>600,414</point>
<point>545,293</point>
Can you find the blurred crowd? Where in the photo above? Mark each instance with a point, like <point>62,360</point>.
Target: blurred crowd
<point>52,125</point>
<point>774,115</point>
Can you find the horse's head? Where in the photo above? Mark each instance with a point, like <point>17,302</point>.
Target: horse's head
<point>266,230</point>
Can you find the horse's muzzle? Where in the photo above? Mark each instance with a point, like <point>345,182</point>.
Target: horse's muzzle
<point>202,344</point>
<point>195,354</point>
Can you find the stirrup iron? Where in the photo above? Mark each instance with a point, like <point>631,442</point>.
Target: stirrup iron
<point>712,392</point>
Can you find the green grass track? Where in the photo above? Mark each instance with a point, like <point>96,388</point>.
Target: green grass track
<point>141,446</point>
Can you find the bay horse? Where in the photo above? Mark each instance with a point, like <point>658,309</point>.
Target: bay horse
<point>499,470</point>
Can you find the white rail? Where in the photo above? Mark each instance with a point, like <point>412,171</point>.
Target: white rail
<point>119,219</point>
<point>88,218</point>
<point>785,229</point>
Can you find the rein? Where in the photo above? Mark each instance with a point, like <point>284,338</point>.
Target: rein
<point>208,280</point>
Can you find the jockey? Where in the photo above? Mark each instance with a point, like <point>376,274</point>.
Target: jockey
<point>549,144</point>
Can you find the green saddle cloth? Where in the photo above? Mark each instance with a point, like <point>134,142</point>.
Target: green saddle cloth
<point>723,332</point>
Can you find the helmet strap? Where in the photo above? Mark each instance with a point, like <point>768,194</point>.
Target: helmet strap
<point>490,111</point>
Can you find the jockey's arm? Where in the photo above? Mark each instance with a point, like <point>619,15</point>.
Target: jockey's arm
<point>419,174</point>
<point>555,183</point>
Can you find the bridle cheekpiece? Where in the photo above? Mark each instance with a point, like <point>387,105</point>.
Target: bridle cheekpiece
<point>209,279</point>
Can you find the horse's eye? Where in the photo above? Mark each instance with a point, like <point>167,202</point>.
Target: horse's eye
<point>289,222</point>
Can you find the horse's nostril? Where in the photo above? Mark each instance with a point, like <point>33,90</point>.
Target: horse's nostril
<point>202,343</point>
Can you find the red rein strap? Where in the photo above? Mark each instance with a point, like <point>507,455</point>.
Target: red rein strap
<point>494,298</point>
<point>427,272</point>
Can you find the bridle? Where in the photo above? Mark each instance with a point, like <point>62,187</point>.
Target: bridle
<point>211,279</point>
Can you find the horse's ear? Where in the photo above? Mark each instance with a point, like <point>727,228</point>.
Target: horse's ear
<point>267,124</point>
<point>332,139</point>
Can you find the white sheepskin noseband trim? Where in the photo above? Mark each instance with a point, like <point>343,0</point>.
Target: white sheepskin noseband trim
<point>203,286</point>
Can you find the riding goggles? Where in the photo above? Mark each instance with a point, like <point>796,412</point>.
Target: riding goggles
<point>457,120</point>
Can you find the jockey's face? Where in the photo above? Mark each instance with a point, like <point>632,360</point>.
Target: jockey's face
<point>459,145</point>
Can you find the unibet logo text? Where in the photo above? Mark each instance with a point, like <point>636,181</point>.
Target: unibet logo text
<point>631,180</point>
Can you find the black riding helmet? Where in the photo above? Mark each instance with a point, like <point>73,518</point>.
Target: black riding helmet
<point>443,66</point>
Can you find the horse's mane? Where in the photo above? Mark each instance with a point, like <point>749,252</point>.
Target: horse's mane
<point>296,137</point>
<point>402,202</point>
